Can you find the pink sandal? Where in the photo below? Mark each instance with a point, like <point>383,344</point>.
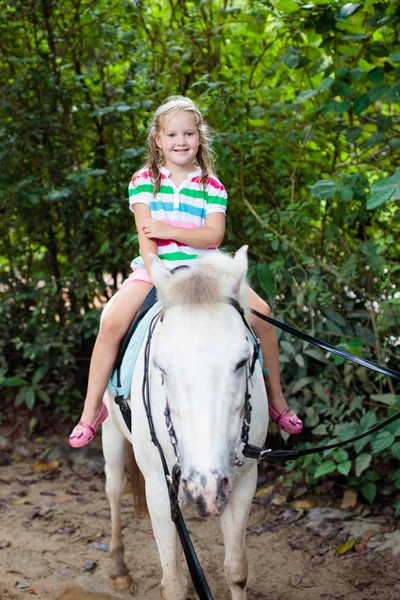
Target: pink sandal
<point>287,424</point>
<point>81,438</point>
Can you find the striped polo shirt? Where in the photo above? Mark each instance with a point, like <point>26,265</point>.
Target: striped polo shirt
<point>184,206</point>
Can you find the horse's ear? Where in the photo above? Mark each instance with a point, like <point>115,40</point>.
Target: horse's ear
<point>241,265</point>
<point>160,276</point>
<point>241,262</point>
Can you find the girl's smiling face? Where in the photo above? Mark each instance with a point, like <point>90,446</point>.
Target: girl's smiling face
<point>179,140</point>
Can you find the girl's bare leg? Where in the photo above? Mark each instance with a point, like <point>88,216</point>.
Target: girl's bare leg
<point>269,347</point>
<point>112,330</point>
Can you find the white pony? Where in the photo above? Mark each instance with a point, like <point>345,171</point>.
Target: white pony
<point>199,362</point>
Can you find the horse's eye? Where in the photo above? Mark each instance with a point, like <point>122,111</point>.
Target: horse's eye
<point>241,364</point>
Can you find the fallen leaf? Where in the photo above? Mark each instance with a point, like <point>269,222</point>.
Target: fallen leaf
<point>43,465</point>
<point>62,499</point>
<point>304,504</point>
<point>257,529</point>
<point>295,580</point>
<point>345,546</point>
<point>349,499</point>
<point>264,491</point>
<point>326,486</point>
<point>67,530</point>
<point>17,458</point>
<point>323,548</point>
<point>278,500</point>
<point>290,516</point>
<point>45,513</point>
<point>24,500</point>
<point>392,541</point>
<point>361,545</point>
<point>296,545</point>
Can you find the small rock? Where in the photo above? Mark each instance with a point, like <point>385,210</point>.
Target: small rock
<point>101,546</point>
<point>89,565</point>
<point>22,585</point>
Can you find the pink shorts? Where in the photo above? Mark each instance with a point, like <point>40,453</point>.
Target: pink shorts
<point>138,274</point>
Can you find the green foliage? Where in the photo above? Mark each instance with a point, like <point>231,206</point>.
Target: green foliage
<point>303,100</point>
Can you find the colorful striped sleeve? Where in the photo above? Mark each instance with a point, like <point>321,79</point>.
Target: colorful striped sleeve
<point>140,189</point>
<point>216,197</point>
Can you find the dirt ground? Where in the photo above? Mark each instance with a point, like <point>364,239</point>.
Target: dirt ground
<point>55,530</point>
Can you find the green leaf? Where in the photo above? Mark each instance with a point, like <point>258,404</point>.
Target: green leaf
<point>384,189</point>
<point>344,468</point>
<point>368,420</point>
<point>14,381</point>
<point>324,189</point>
<point>375,139</point>
<point>360,104</point>
<point>288,347</point>
<point>340,455</point>
<point>383,440</point>
<point>257,112</point>
<point>395,57</point>
<point>346,192</point>
<point>376,74</point>
<point>353,133</point>
<point>325,468</point>
<point>348,9</point>
<point>44,396</point>
<point>395,450</point>
<point>292,61</point>
<point>394,143</point>
<point>301,383</point>
<point>306,94</point>
<point>326,84</point>
<point>394,92</point>
<point>104,248</point>
<point>266,279</point>
<point>356,74</point>
<point>369,490</point>
<point>363,461</point>
<point>299,360</point>
<point>378,92</point>
<point>389,399</point>
<point>30,398</point>
<point>287,6</point>
<point>320,429</point>
<point>60,194</point>
<point>39,373</point>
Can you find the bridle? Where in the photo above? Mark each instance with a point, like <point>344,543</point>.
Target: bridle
<point>247,407</point>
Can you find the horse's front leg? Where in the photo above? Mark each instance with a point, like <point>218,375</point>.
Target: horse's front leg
<point>174,582</point>
<point>233,525</point>
<point>114,449</point>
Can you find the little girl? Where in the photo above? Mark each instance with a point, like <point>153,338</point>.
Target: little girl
<point>179,207</point>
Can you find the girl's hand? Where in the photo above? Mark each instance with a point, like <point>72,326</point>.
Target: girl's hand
<point>156,229</point>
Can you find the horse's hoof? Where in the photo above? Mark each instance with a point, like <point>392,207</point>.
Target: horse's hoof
<point>121,583</point>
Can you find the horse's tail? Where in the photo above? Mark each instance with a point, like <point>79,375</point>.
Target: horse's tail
<point>137,483</point>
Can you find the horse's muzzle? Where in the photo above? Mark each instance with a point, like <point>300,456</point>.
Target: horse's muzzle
<point>207,491</point>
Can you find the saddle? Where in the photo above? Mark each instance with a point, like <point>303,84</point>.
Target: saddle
<point>121,377</point>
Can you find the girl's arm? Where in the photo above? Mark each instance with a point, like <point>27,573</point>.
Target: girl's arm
<point>208,236</point>
<point>147,245</point>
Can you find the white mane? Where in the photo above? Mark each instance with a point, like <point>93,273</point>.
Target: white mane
<point>214,278</point>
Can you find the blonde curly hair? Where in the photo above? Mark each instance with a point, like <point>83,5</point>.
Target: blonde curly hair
<point>155,158</point>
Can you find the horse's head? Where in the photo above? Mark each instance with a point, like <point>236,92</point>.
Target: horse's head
<point>203,350</point>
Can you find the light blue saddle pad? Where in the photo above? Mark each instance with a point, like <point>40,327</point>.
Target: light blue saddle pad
<point>130,356</point>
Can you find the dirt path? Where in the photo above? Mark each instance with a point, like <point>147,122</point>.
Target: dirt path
<point>54,535</point>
